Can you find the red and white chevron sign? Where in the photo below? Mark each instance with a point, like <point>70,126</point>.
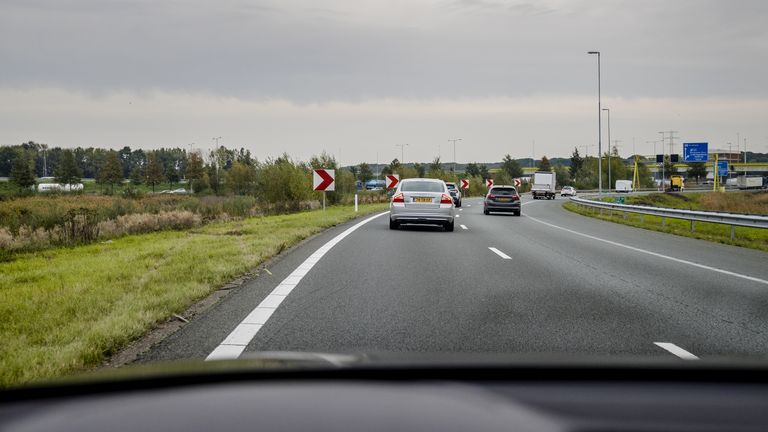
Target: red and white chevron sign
<point>489,183</point>
<point>324,180</point>
<point>464,184</point>
<point>392,180</point>
<point>518,182</point>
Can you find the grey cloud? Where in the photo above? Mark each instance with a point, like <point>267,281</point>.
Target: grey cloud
<point>320,52</point>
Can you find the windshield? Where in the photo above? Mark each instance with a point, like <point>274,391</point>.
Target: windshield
<point>205,180</point>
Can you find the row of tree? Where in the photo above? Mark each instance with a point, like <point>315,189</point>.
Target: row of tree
<point>235,171</point>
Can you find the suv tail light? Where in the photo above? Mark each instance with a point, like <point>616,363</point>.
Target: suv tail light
<point>399,198</point>
<point>491,196</point>
<point>515,197</point>
<point>445,199</point>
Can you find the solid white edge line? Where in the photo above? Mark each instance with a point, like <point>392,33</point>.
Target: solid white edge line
<point>656,254</point>
<point>500,253</point>
<point>239,338</point>
<point>676,350</point>
<point>463,226</point>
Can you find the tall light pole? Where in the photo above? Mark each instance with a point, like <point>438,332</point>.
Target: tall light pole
<point>454,152</point>
<point>45,159</point>
<point>402,152</point>
<point>745,153</point>
<point>663,175</point>
<point>609,147</point>
<point>189,183</point>
<point>599,128</point>
<point>216,159</point>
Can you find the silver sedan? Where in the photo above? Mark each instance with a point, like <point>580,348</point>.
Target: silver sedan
<point>422,201</point>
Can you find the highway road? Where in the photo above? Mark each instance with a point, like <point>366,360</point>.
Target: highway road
<point>549,282</point>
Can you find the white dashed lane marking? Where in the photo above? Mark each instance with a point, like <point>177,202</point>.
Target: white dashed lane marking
<point>676,350</point>
<point>500,253</point>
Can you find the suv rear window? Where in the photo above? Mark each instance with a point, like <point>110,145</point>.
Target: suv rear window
<point>422,186</point>
<point>503,191</point>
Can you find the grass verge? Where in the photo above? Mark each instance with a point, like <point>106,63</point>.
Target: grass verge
<point>64,310</point>
<point>753,238</point>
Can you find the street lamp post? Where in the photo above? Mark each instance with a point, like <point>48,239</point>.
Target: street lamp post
<point>454,153</point>
<point>599,128</point>
<point>216,159</point>
<point>402,152</point>
<point>663,175</point>
<point>609,147</point>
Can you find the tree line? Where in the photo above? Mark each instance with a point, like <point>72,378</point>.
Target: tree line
<point>225,170</point>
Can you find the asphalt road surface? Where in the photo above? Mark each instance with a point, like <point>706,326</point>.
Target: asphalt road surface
<point>549,282</point>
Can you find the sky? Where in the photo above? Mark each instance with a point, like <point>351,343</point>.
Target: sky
<point>358,78</point>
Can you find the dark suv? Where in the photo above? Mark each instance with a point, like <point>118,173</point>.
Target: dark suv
<point>502,199</point>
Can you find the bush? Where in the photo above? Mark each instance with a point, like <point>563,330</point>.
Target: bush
<point>283,181</point>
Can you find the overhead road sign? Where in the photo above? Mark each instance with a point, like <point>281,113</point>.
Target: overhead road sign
<point>659,158</point>
<point>464,183</point>
<point>695,152</point>
<point>324,180</point>
<point>392,180</point>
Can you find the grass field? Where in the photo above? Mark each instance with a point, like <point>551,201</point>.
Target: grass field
<point>754,238</point>
<point>65,310</point>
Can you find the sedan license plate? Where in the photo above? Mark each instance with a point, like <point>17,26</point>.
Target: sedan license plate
<point>422,200</point>
<point>504,199</point>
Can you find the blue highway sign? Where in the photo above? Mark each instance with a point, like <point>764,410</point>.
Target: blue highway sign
<point>695,152</point>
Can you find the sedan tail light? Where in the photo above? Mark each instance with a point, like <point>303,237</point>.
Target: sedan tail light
<point>445,199</point>
<point>399,198</point>
<point>515,197</point>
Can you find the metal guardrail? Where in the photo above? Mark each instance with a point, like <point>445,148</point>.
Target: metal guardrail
<point>732,219</point>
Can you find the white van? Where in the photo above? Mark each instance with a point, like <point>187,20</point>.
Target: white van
<point>624,186</point>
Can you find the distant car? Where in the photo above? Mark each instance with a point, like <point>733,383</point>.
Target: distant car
<point>179,191</point>
<point>567,191</point>
<point>502,199</point>
<point>455,193</point>
<point>422,201</point>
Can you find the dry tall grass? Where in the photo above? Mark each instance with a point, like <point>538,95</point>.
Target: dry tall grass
<point>744,202</point>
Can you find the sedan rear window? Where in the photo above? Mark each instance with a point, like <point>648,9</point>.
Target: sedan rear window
<point>503,191</point>
<point>422,186</point>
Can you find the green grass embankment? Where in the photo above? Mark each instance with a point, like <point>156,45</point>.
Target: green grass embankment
<point>65,310</point>
<point>755,203</point>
